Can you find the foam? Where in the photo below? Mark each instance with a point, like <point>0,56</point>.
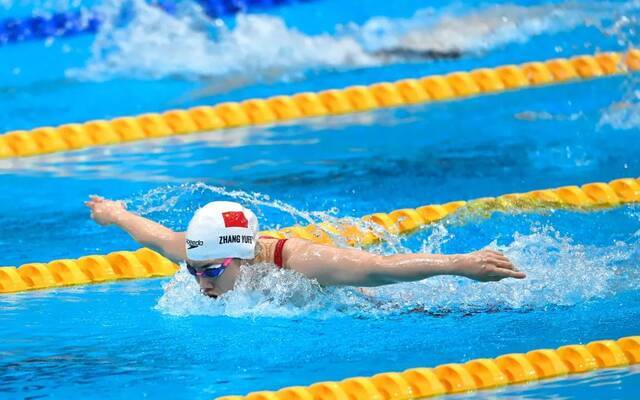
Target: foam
<point>155,44</point>
<point>168,199</point>
<point>479,30</point>
<point>622,115</point>
<point>152,44</point>
<point>560,272</point>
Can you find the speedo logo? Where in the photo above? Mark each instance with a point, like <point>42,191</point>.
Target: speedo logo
<point>194,243</point>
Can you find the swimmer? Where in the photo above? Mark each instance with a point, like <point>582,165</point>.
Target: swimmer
<point>274,74</point>
<point>223,235</point>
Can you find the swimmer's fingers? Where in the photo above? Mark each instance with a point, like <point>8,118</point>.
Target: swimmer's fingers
<point>500,259</point>
<point>515,274</point>
<point>93,200</point>
<point>494,272</point>
<point>501,273</point>
<point>495,253</point>
<point>501,262</point>
<point>488,253</point>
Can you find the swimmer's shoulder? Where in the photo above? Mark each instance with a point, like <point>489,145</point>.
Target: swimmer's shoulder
<point>267,248</point>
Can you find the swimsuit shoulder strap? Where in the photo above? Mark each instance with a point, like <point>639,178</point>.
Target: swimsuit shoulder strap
<point>277,254</point>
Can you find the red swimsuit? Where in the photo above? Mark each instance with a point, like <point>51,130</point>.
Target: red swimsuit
<point>277,254</point>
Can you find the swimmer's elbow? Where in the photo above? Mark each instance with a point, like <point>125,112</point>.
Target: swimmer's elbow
<point>376,272</point>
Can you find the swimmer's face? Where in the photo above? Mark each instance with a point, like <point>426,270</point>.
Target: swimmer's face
<point>214,287</point>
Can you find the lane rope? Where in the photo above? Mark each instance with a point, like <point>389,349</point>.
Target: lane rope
<point>352,99</point>
<point>77,22</point>
<point>478,374</point>
<point>363,232</point>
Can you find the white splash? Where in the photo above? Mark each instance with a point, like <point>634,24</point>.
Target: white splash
<point>170,198</point>
<point>478,30</point>
<point>261,291</point>
<point>154,44</point>
<point>560,273</point>
<point>622,115</point>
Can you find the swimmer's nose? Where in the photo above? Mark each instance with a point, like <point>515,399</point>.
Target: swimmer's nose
<point>204,283</point>
<point>206,287</point>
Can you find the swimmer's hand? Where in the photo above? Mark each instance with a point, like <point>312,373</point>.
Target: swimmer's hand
<point>486,266</point>
<point>104,211</point>
<point>143,230</point>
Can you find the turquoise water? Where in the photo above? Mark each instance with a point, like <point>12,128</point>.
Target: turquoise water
<point>160,338</point>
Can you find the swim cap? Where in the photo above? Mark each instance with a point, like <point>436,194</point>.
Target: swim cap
<point>222,229</point>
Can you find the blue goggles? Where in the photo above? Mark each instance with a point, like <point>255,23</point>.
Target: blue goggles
<point>211,271</point>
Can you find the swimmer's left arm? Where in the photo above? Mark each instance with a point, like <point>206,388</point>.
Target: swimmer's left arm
<point>144,231</point>
<point>340,266</point>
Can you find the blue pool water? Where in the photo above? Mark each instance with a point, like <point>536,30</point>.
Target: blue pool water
<point>160,338</point>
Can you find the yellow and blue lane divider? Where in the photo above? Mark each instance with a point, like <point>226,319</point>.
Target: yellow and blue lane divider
<point>455,85</point>
<point>146,263</point>
<point>479,374</point>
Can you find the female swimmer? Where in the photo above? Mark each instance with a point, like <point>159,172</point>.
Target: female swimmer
<point>223,235</point>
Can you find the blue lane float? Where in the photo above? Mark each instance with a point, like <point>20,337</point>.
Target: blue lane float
<point>39,27</point>
<point>71,23</point>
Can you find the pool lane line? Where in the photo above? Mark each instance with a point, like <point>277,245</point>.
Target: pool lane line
<point>58,24</point>
<point>352,99</point>
<point>363,232</point>
<point>478,374</point>
<point>84,21</point>
<point>373,228</point>
<point>119,265</point>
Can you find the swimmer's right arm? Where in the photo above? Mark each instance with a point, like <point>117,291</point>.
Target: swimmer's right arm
<point>144,231</point>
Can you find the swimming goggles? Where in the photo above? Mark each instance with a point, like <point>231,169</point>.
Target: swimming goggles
<point>210,272</point>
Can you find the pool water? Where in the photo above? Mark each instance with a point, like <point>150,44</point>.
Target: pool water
<point>160,338</point>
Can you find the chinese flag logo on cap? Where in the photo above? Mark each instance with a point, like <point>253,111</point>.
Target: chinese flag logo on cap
<point>235,219</point>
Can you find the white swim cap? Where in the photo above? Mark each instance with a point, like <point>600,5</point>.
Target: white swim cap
<point>222,229</point>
